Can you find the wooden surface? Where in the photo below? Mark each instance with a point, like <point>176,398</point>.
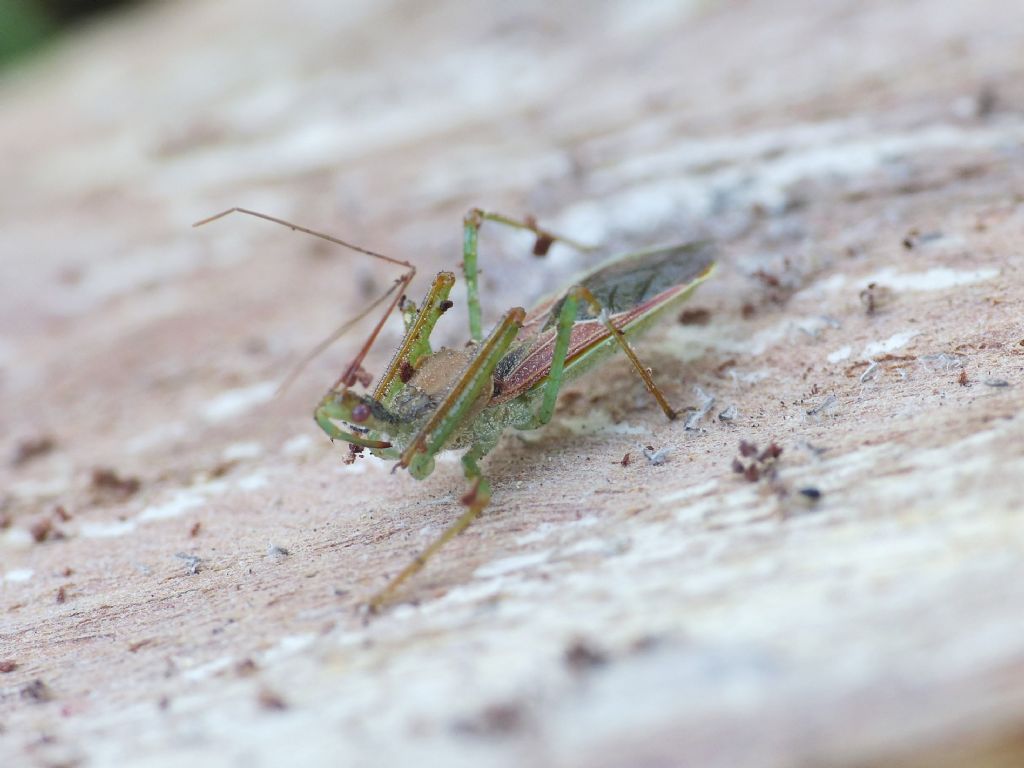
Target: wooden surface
<point>202,550</point>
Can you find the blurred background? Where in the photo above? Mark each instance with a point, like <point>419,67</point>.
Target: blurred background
<point>183,554</point>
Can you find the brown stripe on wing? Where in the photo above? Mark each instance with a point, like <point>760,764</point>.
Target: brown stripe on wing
<point>536,363</point>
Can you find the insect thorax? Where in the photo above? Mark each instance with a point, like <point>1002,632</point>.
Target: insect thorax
<point>433,377</point>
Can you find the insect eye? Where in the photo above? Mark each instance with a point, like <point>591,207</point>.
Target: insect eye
<point>360,413</point>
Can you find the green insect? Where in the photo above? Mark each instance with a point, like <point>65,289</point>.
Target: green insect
<point>428,401</point>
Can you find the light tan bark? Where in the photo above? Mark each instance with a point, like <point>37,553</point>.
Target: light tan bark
<point>600,614</point>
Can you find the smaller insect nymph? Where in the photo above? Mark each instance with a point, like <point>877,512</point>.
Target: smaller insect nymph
<point>428,401</point>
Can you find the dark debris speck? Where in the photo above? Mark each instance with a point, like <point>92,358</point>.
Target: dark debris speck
<point>109,483</point>
<point>32,448</point>
<point>495,720</point>
<point>811,493</point>
<point>581,656</point>
<point>36,691</point>
<point>271,700</point>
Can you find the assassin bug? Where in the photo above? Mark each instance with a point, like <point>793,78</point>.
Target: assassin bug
<point>429,401</point>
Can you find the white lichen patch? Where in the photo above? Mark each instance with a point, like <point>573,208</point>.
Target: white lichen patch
<point>235,402</point>
<point>289,645</point>
<point>107,530</point>
<point>754,169</point>
<point>209,669</point>
<point>894,342</point>
<point>252,482</point>
<point>40,489</point>
<point>242,450</point>
<point>297,446</point>
<point>551,530</point>
<point>688,343</point>
<point>936,279</point>
<point>512,564</point>
<point>690,492</point>
<point>15,538</point>
<point>18,575</point>
<point>179,503</point>
<point>839,354</point>
<point>157,437</point>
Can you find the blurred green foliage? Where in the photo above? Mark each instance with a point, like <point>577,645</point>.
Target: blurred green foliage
<point>26,25</point>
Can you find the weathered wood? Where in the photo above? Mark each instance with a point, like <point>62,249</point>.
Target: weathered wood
<point>860,165</point>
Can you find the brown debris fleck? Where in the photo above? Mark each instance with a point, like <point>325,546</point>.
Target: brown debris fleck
<point>754,465</point>
<point>962,379</point>
<point>37,691</point>
<point>695,316</point>
<point>222,468</point>
<point>495,720</point>
<point>62,595</point>
<point>353,451</point>
<point>106,482</point>
<point>32,448</point>
<point>8,665</point>
<point>271,700</point>
<point>580,656</point>
<point>41,529</point>
<point>867,298</point>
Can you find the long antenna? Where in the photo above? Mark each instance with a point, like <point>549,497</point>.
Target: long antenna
<point>313,232</point>
<point>332,337</point>
<point>351,374</point>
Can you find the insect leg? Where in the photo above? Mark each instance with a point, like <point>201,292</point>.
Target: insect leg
<point>417,336</point>
<point>620,338</point>
<point>460,399</point>
<point>470,236</point>
<point>476,500</point>
<point>419,456</point>
<point>566,320</point>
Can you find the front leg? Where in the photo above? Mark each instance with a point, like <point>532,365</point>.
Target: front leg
<point>461,398</point>
<point>430,440</point>
<point>416,343</point>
